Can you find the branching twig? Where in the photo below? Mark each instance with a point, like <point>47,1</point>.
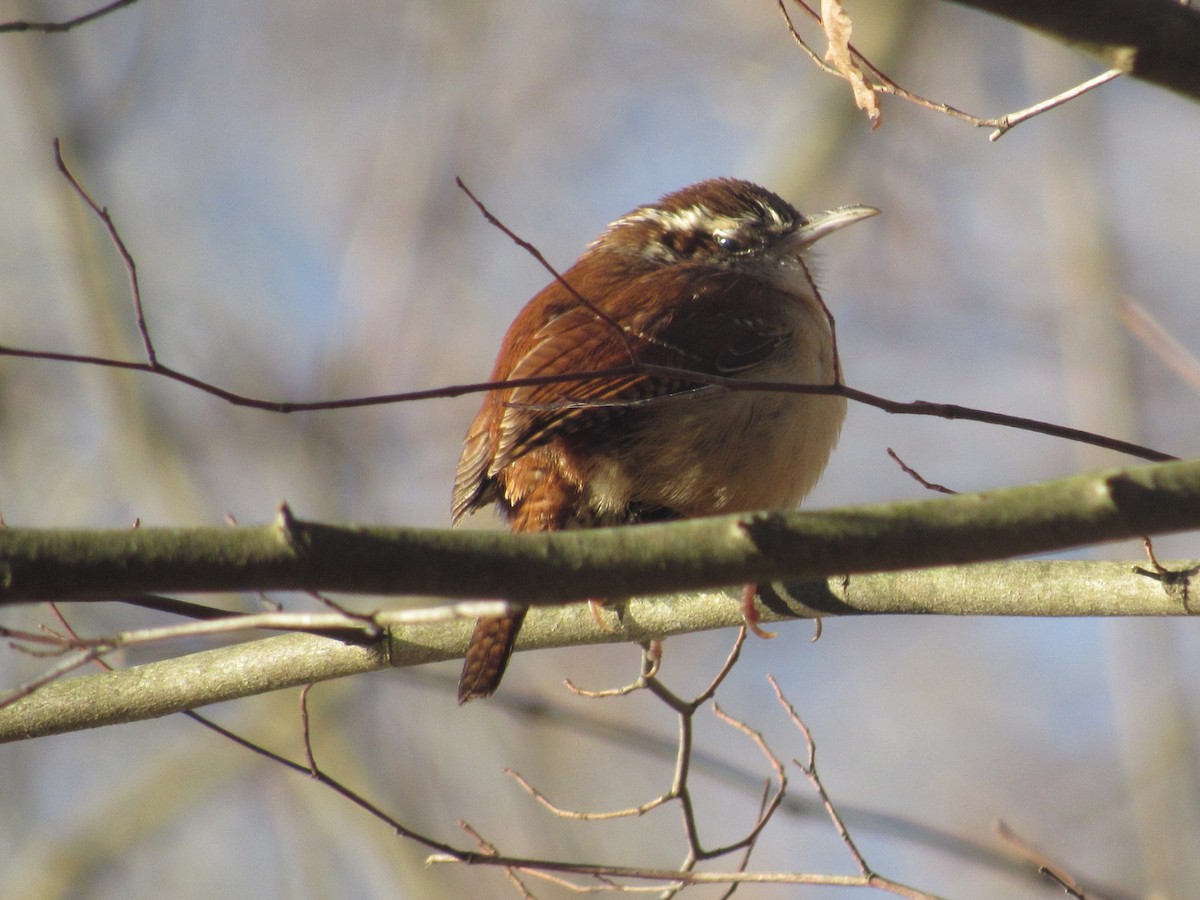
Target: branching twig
<point>102,213</point>
<point>1000,124</point>
<point>311,769</point>
<point>770,800</point>
<point>651,658</point>
<point>580,816</point>
<point>1176,582</point>
<point>680,790</point>
<point>809,768</point>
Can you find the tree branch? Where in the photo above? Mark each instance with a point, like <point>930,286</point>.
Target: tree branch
<point>1156,40</point>
<point>63,564</point>
<point>1045,588</point>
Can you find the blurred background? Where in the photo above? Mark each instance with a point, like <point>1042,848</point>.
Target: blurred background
<point>284,176</point>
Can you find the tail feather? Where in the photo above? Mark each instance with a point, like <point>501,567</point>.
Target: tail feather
<point>487,655</point>
<point>553,503</point>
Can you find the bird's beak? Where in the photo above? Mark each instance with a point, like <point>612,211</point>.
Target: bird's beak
<point>820,224</point>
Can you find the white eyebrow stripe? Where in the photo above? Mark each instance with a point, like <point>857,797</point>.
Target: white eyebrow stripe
<point>697,215</point>
<point>693,218</point>
<point>687,219</point>
<point>700,217</point>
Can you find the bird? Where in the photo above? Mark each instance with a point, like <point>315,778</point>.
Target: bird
<point>713,278</point>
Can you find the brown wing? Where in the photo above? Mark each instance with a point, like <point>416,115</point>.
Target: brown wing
<point>700,332</point>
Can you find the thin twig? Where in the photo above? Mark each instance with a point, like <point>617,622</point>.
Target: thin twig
<point>1001,125</point>
<point>67,25</point>
<point>306,731</point>
<point>680,789</point>
<point>126,256</point>
<point>1009,120</point>
<point>488,849</point>
<point>581,816</point>
<point>917,477</point>
<point>896,407</point>
<point>621,332</point>
<point>920,407</point>
<point>651,659</point>
<point>1143,326</point>
<point>1039,860</point>
<point>771,801</point>
<point>730,661</point>
<point>370,621</point>
<point>809,768</point>
<point>1176,582</point>
<point>310,769</point>
<point>69,664</point>
<point>837,355</point>
<point>347,627</point>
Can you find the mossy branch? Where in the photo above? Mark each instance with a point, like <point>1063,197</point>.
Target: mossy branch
<point>291,554</point>
<point>546,569</point>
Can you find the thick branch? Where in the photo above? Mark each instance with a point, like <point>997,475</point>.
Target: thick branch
<point>1157,40</point>
<point>613,562</point>
<point>1048,588</point>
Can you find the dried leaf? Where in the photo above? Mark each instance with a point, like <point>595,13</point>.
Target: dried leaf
<point>837,25</point>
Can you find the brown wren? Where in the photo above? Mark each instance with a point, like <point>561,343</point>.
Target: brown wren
<point>712,279</point>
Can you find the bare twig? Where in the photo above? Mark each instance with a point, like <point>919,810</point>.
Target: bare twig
<point>306,732</point>
<point>67,25</point>
<point>1044,865</point>
<point>731,659</point>
<point>312,770</point>
<point>632,879</point>
<point>770,800</point>
<point>913,408</point>
<point>67,665</point>
<point>1143,326</point>
<point>581,816</point>
<point>346,626</point>
<point>651,659</point>
<point>744,863</point>
<point>674,881</point>
<point>126,257</point>
<point>917,477</point>
<point>1012,119</point>
<point>1176,582</point>
<point>885,85</point>
<point>370,621</point>
<point>488,849</point>
<point>922,408</point>
<point>680,789</point>
<point>621,332</point>
<point>809,768</point>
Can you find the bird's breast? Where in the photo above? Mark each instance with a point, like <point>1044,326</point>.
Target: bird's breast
<point>719,450</point>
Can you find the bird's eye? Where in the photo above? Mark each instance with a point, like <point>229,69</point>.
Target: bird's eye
<point>728,243</point>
